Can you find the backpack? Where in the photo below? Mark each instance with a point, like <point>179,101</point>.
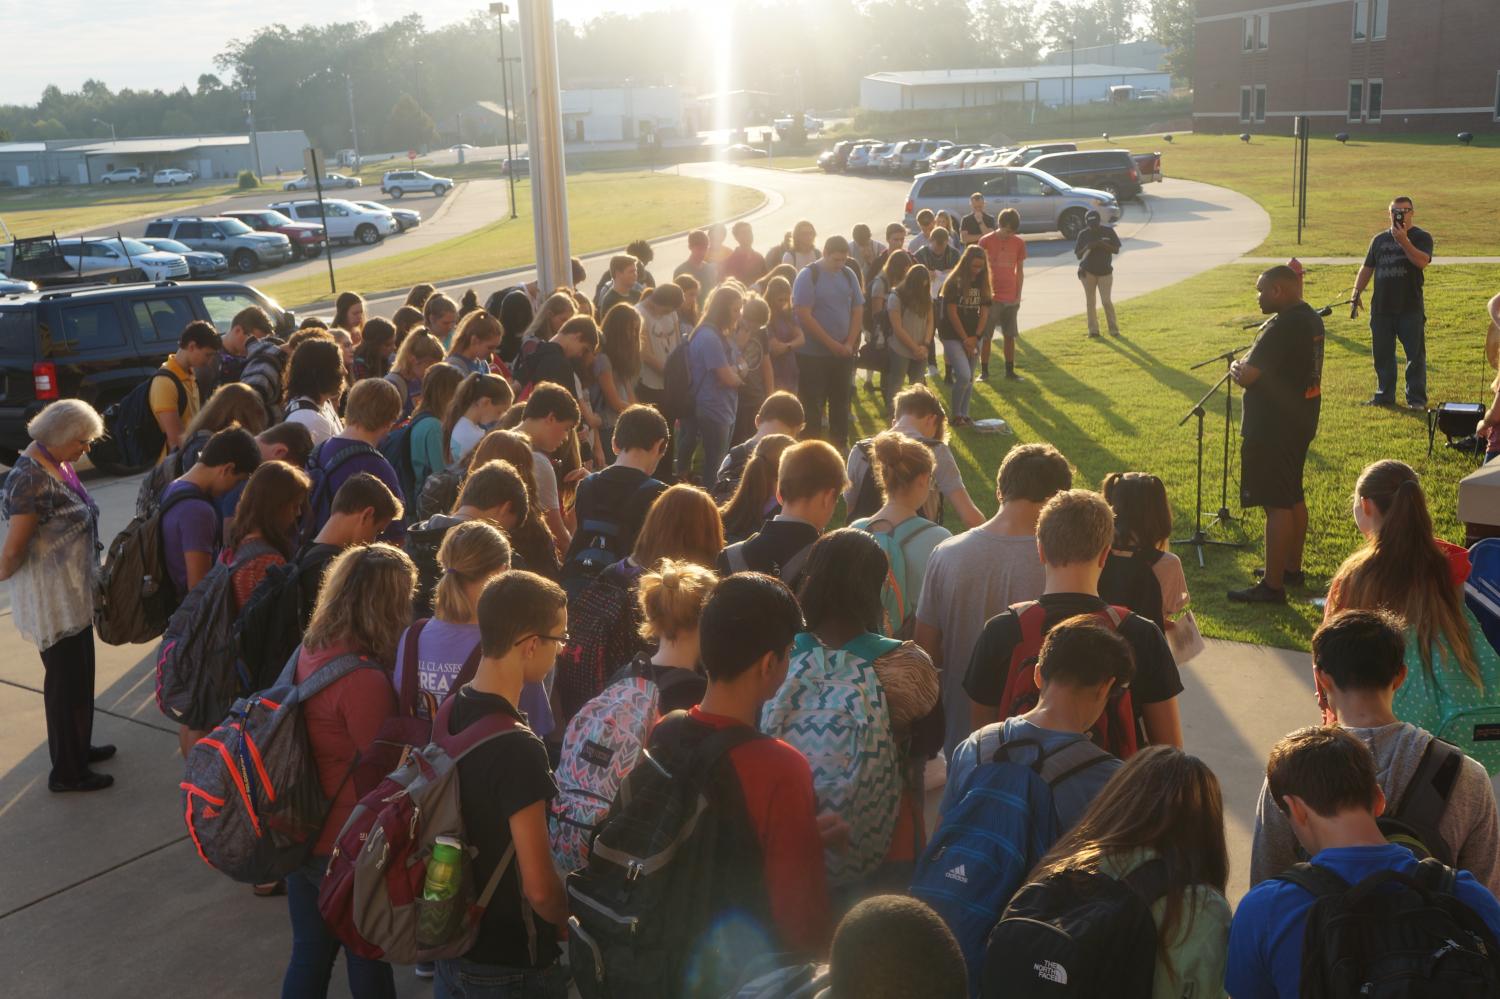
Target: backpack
<point>251,795</point>
<point>900,612</point>
<point>788,573</point>
<point>167,471</point>
<point>597,543</point>
<point>198,676</point>
<point>1116,728</point>
<point>320,496</point>
<point>412,700</point>
<point>397,448</point>
<point>1416,820</point>
<point>987,843</point>
<point>422,544</point>
<point>1393,934</point>
<point>1077,934</point>
<point>603,743</point>
<point>271,622</point>
<point>131,425</point>
<point>371,897</point>
<point>676,853</point>
<point>134,594</point>
<point>867,501</point>
<point>727,477</point>
<point>832,709</point>
<point>1129,580</point>
<point>678,393</point>
<point>439,492</point>
<point>790,981</point>
<point>602,622</point>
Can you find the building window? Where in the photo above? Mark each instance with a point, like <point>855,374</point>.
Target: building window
<point>1249,33</point>
<point>1356,99</point>
<point>1382,12</point>
<point>1377,95</point>
<point>1260,103</point>
<point>1497,96</point>
<point>1263,35</point>
<point>1361,20</point>
<point>1244,104</point>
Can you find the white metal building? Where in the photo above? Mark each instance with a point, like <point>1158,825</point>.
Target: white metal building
<point>84,161</point>
<point>1054,85</point>
<point>620,114</point>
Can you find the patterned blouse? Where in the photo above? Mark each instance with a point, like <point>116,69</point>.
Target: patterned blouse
<point>52,593</point>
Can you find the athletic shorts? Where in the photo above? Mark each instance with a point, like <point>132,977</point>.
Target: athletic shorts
<point>1271,473</point>
<point>1003,319</point>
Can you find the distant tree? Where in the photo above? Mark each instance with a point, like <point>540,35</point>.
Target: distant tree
<point>177,122</point>
<point>1086,24</point>
<point>48,128</point>
<point>1172,24</point>
<point>208,83</point>
<point>1009,29</point>
<point>408,126</point>
<point>5,135</point>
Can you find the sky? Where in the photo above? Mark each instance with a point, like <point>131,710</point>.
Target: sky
<point>165,44</point>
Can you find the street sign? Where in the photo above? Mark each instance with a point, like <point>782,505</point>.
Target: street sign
<point>411,154</point>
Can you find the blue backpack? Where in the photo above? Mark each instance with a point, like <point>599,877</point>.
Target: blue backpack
<point>989,841</point>
<point>397,449</point>
<point>900,607</point>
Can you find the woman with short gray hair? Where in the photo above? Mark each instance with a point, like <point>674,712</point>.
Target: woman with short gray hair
<point>51,557</point>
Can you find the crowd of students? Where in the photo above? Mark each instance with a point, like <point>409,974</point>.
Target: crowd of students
<point>511,510</point>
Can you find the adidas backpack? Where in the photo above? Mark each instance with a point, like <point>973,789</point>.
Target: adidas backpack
<point>900,611</point>
<point>371,896</point>
<point>832,709</point>
<point>251,795</point>
<point>198,675</point>
<point>1004,822</point>
<point>1076,935</point>
<point>134,594</point>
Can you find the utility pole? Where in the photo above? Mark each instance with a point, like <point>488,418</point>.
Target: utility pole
<point>248,96</point>
<point>1072,70</point>
<point>353,125</point>
<point>544,140</point>
<point>500,10</point>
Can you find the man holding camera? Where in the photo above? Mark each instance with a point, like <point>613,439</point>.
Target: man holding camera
<point>1396,260</point>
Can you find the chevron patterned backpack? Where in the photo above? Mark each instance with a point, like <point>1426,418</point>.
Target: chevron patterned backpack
<point>833,710</point>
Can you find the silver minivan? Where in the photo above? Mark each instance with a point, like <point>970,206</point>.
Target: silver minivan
<point>1044,203</point>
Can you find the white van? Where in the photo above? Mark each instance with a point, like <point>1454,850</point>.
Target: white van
<point>342,220</point>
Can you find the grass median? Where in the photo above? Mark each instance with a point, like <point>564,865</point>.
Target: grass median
<point>65,210</point>
<point>1114,405</point>
<point>605,210</point>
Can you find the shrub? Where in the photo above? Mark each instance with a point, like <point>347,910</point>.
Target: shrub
<point>248,181</point>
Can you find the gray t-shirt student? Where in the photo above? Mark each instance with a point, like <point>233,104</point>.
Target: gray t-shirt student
<point>946,478</point>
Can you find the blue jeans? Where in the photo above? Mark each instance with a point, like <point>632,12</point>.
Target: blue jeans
<point>898,371</point>
<point>464,979</point>
<point>1411,329</point>
<point>315,948</point>
<point>963,376</point>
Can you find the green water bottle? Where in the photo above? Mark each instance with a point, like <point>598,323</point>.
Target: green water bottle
<point>435,914</point>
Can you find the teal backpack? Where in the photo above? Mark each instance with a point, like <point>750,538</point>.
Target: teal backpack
<point>832,709</point>
<point>900,604</point>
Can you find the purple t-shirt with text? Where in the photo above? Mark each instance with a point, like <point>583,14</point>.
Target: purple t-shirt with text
<point>442,649</point>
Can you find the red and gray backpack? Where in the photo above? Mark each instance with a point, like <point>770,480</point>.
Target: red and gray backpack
<point>372,894</point>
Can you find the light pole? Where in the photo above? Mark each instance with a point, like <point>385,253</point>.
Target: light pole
<point>353,125</point>
<point>1072,94</point>
<point>544,142</point>
<point>98,121</point>
<point>500,10</point>
<point>248,96</point>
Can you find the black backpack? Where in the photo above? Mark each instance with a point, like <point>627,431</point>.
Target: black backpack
<point>1393,936</point>
<point>1129,580</point>
<point>1077,933</point>
<point>397,448</point>
<point>422,543</point>
<point>1415,821</point>
<point>676,853</point>
<point>678,392</point>
<point>727,478</point>
<point>134,435</point>
<point>598,543</point>
<point>271,624</point>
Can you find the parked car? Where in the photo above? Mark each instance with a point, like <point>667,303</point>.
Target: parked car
<point>913,151</point>
<point>330,181</point>
<point>42,261</point>
<point>124,175</point>
<point>948,155</point>
<point>99,342</point>
<point>461,145</point>
<point>406,218</point>
<point>1149,164</point>
<point>245,248</point>
<point>866,158</point>
<point>398,183</point>
<point>833,160</point>
<point>1044,203</point>
<point>171,177</point>
<point>202,264</point>
<point>521,166</point>
<point>308,239</point>
<point>98,255</point>
<point>342,220</point>
<point>1111,170</point>
<point>1025,154</point>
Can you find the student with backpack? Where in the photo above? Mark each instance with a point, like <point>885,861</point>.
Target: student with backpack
<point>493,492</point>
<point>374,407</point>
<point>505,786</point>
<point>314,384</point>
<point>416,355</point>
<point>477,338</point>
<point>1438,800</point>
<point>829,298</point>
<point>780,413</point>
<point>246,330</point>
<point>715,372</point>
<point>531,541</point>
<point>920,416</point>
<point>903,467</point>
<point>173,393</point>
<point>755,851</point>
<point>365,600</point>
<point>1074,534</point>
<point>415,448</point>
<point>753,501</point>
<point>848,704</point>
<point>550,415</point>
<point>808,484</point>
<point>1408,925</point>
<point>553,360</point>
<point>1141,574</point>
<point>660,335</point>
<point>288,442</point>
<point>1131,901</point>
<point>230,406</point>
<point>478,404</point>
<point>611,504</point>
<point>189,519</point>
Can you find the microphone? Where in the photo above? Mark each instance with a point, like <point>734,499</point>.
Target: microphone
<point>1326,311</point>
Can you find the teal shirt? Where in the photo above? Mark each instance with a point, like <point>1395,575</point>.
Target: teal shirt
<point>427,449</point>
<point>1444,701</point>
<point>1199,947</point>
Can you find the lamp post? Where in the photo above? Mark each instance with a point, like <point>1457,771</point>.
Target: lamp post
<point>544,141</point>
<point>248,96</point>
<point>98,121</point>
<point>1072,94</point>
<point>500,10</point>
<point>353,124</point>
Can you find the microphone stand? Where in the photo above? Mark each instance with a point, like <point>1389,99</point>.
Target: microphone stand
<point>1228,357</point>
<point>1199,538</point>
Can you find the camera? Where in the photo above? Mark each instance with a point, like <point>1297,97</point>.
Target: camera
<point>1398,215</point>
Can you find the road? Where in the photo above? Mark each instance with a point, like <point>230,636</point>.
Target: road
<point>103,894</point>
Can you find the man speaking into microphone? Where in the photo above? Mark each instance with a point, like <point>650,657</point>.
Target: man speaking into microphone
<point>1283,381</point>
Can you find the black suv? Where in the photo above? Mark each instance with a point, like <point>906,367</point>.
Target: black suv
<point>96,343</point>
<point>1113,171</point>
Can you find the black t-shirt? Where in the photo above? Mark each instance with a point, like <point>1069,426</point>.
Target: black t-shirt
<point>1398,282</point>
<point>1156,677</point>
<point>311,564</point>
<point>970,224</point>
<point>1095,246</point>
<point>752,390</point>
<point>611,298</point>
<point>969,303</point>
<point>496,781</point>
<point>770,548</point>
<point>1284,403</point>
<point>620,496</point>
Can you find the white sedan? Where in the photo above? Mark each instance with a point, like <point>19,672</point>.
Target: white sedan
<point>171,177</point>
<point>330,180</point>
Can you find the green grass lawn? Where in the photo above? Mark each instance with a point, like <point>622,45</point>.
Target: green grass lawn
<point>38,211</point>
<point>1349,186</point>
<point>606,209</point>
<point>1113,405</point>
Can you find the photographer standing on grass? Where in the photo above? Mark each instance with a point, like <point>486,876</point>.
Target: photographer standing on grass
<point>1396,260</point>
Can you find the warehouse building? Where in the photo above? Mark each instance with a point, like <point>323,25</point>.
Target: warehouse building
<point>1053,85</point>
<point>209,157</point>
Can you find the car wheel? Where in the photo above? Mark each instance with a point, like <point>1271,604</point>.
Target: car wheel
<point>367,234</point>
<point>438,190</point>
<point>1071,223</point>
<point>288,186</point>
<point>348,183</point>
<point>1113,190</point>
<point>244,261</point>
<point>312,251</point>
<point>298,252</point>
<point>107,182</point>
<point>397,192</point>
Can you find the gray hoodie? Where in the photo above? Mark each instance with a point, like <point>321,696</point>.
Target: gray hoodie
<point>1469,823</point>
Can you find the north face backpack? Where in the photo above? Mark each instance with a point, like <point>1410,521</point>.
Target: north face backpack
<point>676,854</point>
<point>1393,935</point>
<point>1000,828</point>
<point>198,675</point>
<point>130,425</point>
<point>1076,935</point>
<point>134,595</point>
<point>396,446</point>
<point>598,542</point>
<point>602,622</point>
<point>371,896</point>
<point>320,496</point>
<point>251,795</point>
<point>900,609</point>
<point>832,709</point>
<point>1116,728</point>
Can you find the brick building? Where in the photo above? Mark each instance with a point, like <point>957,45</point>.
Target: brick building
<point>1350,65</point>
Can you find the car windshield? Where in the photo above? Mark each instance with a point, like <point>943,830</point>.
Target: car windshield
<point>1047,177</point>
<point>234,227</point>
<point>274,218</point>
<point>134,247</point>
<point>169,245</point>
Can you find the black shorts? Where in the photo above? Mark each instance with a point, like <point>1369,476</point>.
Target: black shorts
<point>1271,473</point>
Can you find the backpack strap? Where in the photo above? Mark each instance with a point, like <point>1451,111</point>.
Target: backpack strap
<point>1149,881</point>
<point>458,745</point>
<point>1031,616</point>
<point>715,747</point>
<point>1436,876</point>
<point>735,556</point>
<point>349,452</point>
<point>1313,879</point>
<point>330,673</point>
<point>468,669</point>
<point>1426,794</point>
<point>1069,760</point>
<point>182,396</point>
<point>408,684</point>
<point>793,566</point>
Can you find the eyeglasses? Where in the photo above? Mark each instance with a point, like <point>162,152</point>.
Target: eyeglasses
<point>559,639</point>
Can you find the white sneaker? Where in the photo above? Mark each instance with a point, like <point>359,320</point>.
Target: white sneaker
<point>425,969</point>
<point>935,774</point>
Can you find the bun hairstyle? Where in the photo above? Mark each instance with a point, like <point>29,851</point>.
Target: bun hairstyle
<point>671,598</point>
<point>474,550</point>
<point>899,461</point>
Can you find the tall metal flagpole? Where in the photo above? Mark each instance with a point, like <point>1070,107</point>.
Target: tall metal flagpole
<point>544,141</point>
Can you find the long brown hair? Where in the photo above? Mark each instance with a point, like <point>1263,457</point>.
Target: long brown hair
<point>232,403</point>
<point>746,509</point>
<point>683,523</point>
<point>365,602</point>
<point>620,339</point>
<point>1401,569</point>
<point>896,266</point>
<point>473,388</point>
<point>1164,800</point>
<point>915,290</point>
<point>960,281</point>
<point>377,342</point>
<point>478,325</point>
<point>439,386</point>
<point>269,506</point>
